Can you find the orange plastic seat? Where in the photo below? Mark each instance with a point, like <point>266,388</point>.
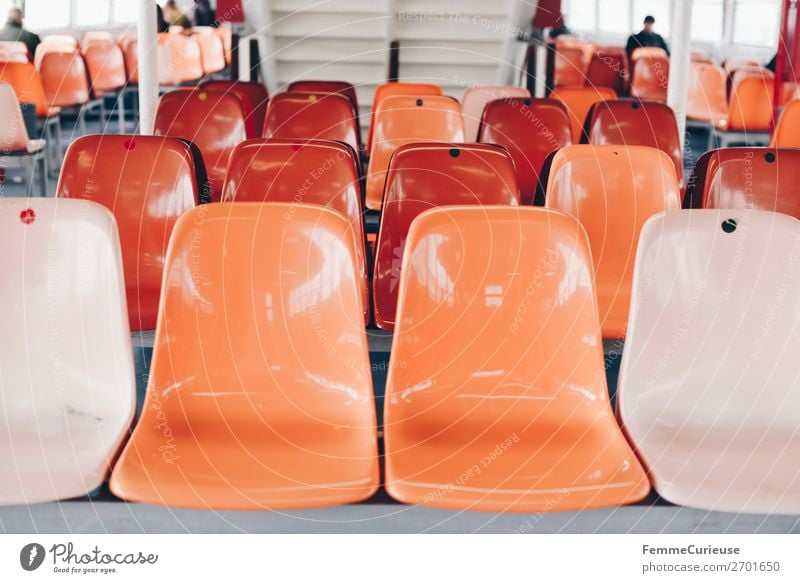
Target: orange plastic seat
<point>747,178</point>
<point>637,123</point>
<point>697,57</point>
<point>397,88</point>
<point>279,170</point>
<point>212,51</point>
<point>130,50</point>
<point>65,79</point>
<point>749,113</point>
<point>733,65</point>
<point>346,89</point>
<point>609,68</point>
<point>17,150</point>
<point>424,176</point>
<point>578,101</point>
<point>27,83</point>
<point>261,367</point>
<point>500,401</point>
<point>12,57</point>
<point>147,182</point>
<point>106,65</point>
<point>180,59</point>
<point>404,119</point>
<point>647,53</point>
<point>787,131</point>
<point>312,116</point>
<point>530,130</point>
<point>650,77</point>
<point>255,95</point>
<point>708,387</point>
<point>570,66</point>
<point>707,101</point>
<point>67,394</point>
<point>13,47</point>
<point>477,97</point>
<point>215,121</point>
<point>612,191</point>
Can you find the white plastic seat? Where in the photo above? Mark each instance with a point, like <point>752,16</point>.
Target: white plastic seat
<point>709,389</point>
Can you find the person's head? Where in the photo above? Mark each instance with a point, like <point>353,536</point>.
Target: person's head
<point>649,21</point>
<point>14,16</point>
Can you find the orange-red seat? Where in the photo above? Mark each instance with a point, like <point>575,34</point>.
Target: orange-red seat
<point>319,172</point>
<point>750,111</point>
<point>13,47</point>
<point>697,57</point>
<point>747,178</point>
<point>530,129</point>
<point>612,191</point>
<point>496,397</point>
<point>212,51</point>
<point>708,100</point>
<point>424,176</point>
<point>147,182</point>
<point>105,62</point>
<point>396,88</point>
<point>787,131</point>
<point>213,120</point>
<point>27,84</point>
<point>637,123</point>
<point>609,68</point>
<point>578,101</point>
<point>570,66</point>
<point>12,56</point>
<point>477,97</point>
<point>647,53</point>
<point>310,86</point>
<point>17,150</point>
<point>65,79</point>
<point>179,59</point>
<point>404,119</point>
<point>260,367</point>
<point>60,43</point>
<point>650,77</point>
<point>255,95</point>
<point>312,116</point>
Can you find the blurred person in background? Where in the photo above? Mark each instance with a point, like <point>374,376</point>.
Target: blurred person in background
<point>174,16</point>
<point>646,38</point>
<point>13,31</point>
<point>203,14</point>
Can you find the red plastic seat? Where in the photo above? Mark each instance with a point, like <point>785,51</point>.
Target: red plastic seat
<point>260,366</point>
<point>65,79</point>
<point>787,131</point>
<point>424,176</point>
<point>346,89</point>
<point>578,101</point>
<point>60,43</point>
<point>530,130</point>
<point>570,66</point>
<point>477,97</point>
<point>255,95</point>
<point>650,77</point>
<point>312,116</point>
<point>106,65</point>
<point>609,68</point>
<point>213,120</point>
<point>26,82</point>
<point>637,123</point>
<point>385,90</point>
<point>279,170</point>
<point>148,182</point>
<point>496,396</point>
<point>647,53</point>
<point>405,119</point>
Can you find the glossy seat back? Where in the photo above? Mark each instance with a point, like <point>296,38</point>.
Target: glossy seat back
<point>279,170</point>
<point>212,52</point>
<point>477,97</point>
<point>424,176</point>
<point>404,119</point>
<point>708,389</point>
<point>612,190</point>
<point>312,116</point>
<point>609,68</point>
<point>14,46</point>
<point>570,66</point>
<point>751,104</point>
<point>650,76</point>
<point>530,129</point>
<point>147,182</point>
<point>578,101</point>
<point>213,120</point>
<point>707,100</point>
<point>346,89</point>
<point>180,59</point>
<point>397,88</point>
<point>498,352</point>
<point>12,56</point>
<point>255,95</point>
<point>26,83</point>
<point>647,53</point>
<point>64,79</point>
<point>13,133</point>
<point>261,367</point>
<point>637,123</point>
<point>106,65</point>
<point>747,178</point>
<point>130,51</point>
<point>68,380</point>
<point>787,131</point>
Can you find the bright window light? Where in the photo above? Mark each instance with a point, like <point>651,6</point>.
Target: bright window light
<point>756,22</point>
<point>707,20</point>
<point>125,11</point>
<point>661,10</point>
<point>615,16</point>
<point>45,14</point>
<point>579,14</point>
<point>91,12</point>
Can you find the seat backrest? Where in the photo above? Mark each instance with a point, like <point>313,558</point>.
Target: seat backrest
<point>647,53</point>
<point>147,182</point>
<point>747,178</point>
<point>707,99</point>
<point>424,176</point>
<point>212,52</point>
<point>637,123</point>
<point>732,65</point>
<point>59,43</point>
<point>612,190</point>
<point>343,87</point>
<point>475,100</point>
<point>64,79</point>
<point>131,54</point>
<point>578,101</point>
<point>97,35</point>
<point>13,134</point>
<point>751,104</point>
<point>498,337</point>
<point>397,88</point>
<point>312,116</point>
<point>530,129</point>
<point>215,121</point>
<point>279,170</point>
<point>570,66</point>
<point>26,83</point>
<point>106,64</point>
<point>403,119</point>
<point>708,386</point>
<point>787,131</point>
<point>609,68</point>
<point>261,366</point>
<point>12,57</point>
<point>254,94</point>
<point>15,47</point>
<point>68,388</point>
<point>180,59</point>
<point>650,78</point>
<point>697,57</point>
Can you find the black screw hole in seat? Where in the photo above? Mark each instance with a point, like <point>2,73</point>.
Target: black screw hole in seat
<point>729,225</point>
<point>769,157</point>
<point>455,152</point>
<point>419,103</point>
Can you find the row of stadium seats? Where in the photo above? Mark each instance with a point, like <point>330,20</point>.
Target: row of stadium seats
<point>260,393</point>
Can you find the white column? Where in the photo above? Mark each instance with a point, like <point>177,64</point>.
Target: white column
<point>680,62</point>
<point>148,66</point>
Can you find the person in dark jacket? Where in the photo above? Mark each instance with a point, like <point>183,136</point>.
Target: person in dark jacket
<point>13,31</point>
<point>646,38</point>
<point>203,14</point>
